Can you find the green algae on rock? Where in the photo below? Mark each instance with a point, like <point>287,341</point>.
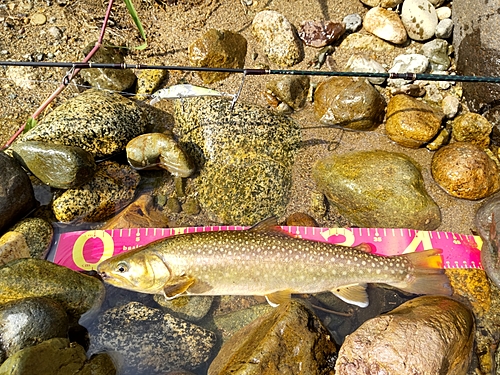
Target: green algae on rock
<point>472,127</point>
<point>100,122</point>
<point>38,234</point>
<point>377,189</point>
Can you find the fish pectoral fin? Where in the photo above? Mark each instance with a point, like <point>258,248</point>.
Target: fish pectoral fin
<point>177,285</point>
<point>277,298</point>
<point>354,294</point>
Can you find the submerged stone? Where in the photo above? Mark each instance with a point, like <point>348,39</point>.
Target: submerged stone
<point>38,234</point>
<point>13,246</point>
<point>290,90</point>
<point>191,308</point>
<point>472,127</point>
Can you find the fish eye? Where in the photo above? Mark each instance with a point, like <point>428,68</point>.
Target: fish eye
<point>122,267</point>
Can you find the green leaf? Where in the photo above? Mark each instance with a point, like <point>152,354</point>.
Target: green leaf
<point>30,124</point>
<point>137,22</point>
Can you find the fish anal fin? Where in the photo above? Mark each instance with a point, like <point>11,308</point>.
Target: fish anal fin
<point>277,298</point>
<point>177,285</point>
<point>355,294</point>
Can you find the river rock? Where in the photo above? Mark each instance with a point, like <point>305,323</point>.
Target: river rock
<point>277,37</point>
<point>58,166</point>
<point>16,193</point>
<point>150,341</point>
<point>427,335</point>
<point>290,89</point>
<point>218,49</point>
<point>473,128</point>
<point>357,42</point>
<point>464,170</point>
<point>107,79</point>
<point>352,22</point>
<point>360,63</point>
<point>411,122</point>
<point>444,29</point>
<point>74,291</point>
<point>349,102</point>
<point>419,18</point>
<point>38,234</point>
<point>190,308</point>
<point>450,106</point>
<point>245,159</point>
<point>320,33</point>
<point>410,63</point>
<point>111,189</point>
<point>290,339</point>
<point>437,52</point>
<point>148,81</point>
<point>30,321</point>
<point>13,246</point>
<point>100,122</point>
<point>348,183</point>
<point>385,24</point>
<point>99,364</point>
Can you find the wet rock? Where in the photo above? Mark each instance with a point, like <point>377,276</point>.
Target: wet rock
<point>141,213</point>
<point>320,33</point>
<point>99,364</point>
<point>56,356</point>
<point>411,122</point>
<point>473,128</point>
<point>441,139</point>
<point>191,206</point>
<point>276,36</point>
<point>349,102</point>
<point>24,278</point>
<point>440,330</point>
<point>58,166</point>
<point>359,63</point>
<point>111,189</point>
<point>30,321</point>
<point>107,79</point>
<point>290,89</point>
<point>385,24</point>
<point>348,183</point>
<point>100,122</point>
<point>444,28</point>
<point>218,49</point>
<point>148,81</point>
<point>437,52</point>
<point>190,308</point>
<point>150,341</point>
<point>318,203</point>
<point>411,63</point>
<point>13,246</point>
<point>16,193</point>
<point>419,18</point>
<point>245,159</point>
<point>158,150</point>
<point>352,22</point>
<point>301,219</point>
<point>38,234</point>
<point>464,170</point>
<point>290,339</point>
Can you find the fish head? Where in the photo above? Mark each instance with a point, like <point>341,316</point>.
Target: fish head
<point>140,271</point>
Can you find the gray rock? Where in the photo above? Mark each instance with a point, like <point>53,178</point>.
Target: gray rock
<point>290,89</point>
<point>151,341</point>
<point>419,18</point>
<point>190,308</point>
<point>16,193</point>
<point>107,79</point>
<point>352,22</point>
<point>349,102</point>
<point>30,321</point>
<point>348,183</point>
<point>290,339</point>
<point>58,166</point>
<point>444,29</point>
<point>38,234</point>
<point>75,292</point>
<point>427,335</point>
<point>360,63</point>
<point>100,122</point>
<point>437,52</point>
<point>111,189</point>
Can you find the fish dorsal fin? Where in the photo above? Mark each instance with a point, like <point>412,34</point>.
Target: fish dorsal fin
<point>177,285</point>
<point>277,298</point>
<point>271,223</point>
<point>354,294</point>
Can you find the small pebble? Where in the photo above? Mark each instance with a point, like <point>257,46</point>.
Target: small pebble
<point>443,13</point>
<point>444,28</point>
<point>411,63</point>
<point>352,22</point>
<point>450,106</point>
<point>55,32</point>
<point>38,19</point>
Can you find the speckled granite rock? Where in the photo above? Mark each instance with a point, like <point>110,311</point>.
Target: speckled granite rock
<point>472,127</point>
<point>464,170</point>
<point>25,278</point>
<point>38,234</point>
<point>427,335</point>
<point>245,159</point>
<point>13,246</point>
<point>290,339</point>
<point>16,193</point>
<point>100,122</point>
<point>111,189</point>
<point>349,102</point>
<point>150,341</point>
<point>218,49</point>
<point>58,166</point>
<point>349,184</point>
<point>148,81</point>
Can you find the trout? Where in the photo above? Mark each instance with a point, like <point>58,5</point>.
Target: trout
<point>266,261</point>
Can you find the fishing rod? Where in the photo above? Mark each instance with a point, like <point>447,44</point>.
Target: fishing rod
<point>246,72</point>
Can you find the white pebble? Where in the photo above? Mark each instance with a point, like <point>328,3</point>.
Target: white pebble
<point>411,63</point>
<point>419,18</point>
<point>358,63</point>
<point>352,22</point>
<point>450,106</point>
<point>443,12</point>
<point>385,24</point>
<point>444,28</point>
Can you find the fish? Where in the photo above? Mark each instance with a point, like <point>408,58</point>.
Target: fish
<point>266,261</point>
<point>183,91</point>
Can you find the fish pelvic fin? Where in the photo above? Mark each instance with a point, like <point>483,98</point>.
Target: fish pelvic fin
<point>428,276</point>
<point>355,294</point>
<point>277,298</point>
<point>177,285</point>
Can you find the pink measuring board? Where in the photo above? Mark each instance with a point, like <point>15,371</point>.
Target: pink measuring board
<point>84,250</point>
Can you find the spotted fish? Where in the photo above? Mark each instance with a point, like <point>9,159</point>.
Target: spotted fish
<point>266,261</point>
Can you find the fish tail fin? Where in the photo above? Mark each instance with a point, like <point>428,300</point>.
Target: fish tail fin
<point>428,277</point>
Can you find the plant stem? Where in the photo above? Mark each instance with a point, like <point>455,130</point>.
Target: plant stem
<point>67,79</point>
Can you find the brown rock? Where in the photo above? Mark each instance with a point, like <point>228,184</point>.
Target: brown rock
<point>301,219</point>
<point>427,335</point>
<point>385,24</point>
<point>411,122</point>
<point>464,170</point>
<point>473,128</point>
<point>13,246</point>
<point>320,33</point>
